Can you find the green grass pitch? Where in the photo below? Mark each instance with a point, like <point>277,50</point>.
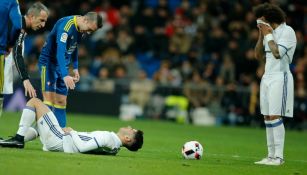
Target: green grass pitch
<point>227,150</point>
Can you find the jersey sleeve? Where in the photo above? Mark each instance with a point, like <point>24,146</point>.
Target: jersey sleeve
<point>84,144</point>
<point>287,42</point>
<point>18,57</point>
<point>61,41</point>
<point>15,18</point>
<point>102,151</point>
<point>75,59</point>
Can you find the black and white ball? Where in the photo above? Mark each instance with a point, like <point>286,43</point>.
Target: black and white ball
<point>192,150</point>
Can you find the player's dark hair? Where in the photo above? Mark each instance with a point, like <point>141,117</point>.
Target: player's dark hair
<point>271,12</point>
<point>138,143</point>
<point>94,17</point>
<point>36,8</point>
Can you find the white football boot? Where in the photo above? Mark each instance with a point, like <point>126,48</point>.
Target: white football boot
<point>264,161</point>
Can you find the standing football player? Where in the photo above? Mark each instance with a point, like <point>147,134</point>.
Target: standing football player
<point>276,43</point>
<point>60,49</point>
<point>35,19</point>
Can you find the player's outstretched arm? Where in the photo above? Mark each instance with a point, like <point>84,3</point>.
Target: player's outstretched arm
<point>75,66</point>
<point>21,68</point>
<point>83,146</point>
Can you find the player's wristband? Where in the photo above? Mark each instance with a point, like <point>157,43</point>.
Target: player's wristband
<point>269,37</point>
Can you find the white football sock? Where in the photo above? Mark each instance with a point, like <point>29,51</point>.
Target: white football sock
<point>31,134</point>
<point>26,120</point>
<point>270,139</point>
<point>279,137</point>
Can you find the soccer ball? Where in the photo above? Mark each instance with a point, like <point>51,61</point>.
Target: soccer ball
<point>192,150</point>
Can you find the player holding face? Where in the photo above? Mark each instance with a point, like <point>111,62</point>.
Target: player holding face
<point>60,49</point>
<point>54,138</point>
<point>277,43</point>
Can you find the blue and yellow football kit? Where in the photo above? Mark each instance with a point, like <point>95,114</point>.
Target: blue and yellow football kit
<point>60,49</point>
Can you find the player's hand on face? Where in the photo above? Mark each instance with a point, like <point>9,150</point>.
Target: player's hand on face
<point>260,32</point>
<point>69,82</point>
<point>265,29</point>
<point>76,75</point>
<point>29,90</point>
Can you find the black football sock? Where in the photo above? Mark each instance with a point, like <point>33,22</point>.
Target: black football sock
<point>19,138</point>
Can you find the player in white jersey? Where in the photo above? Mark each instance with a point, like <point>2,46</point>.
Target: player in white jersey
<point>277,43</point>
<point>54,138</point>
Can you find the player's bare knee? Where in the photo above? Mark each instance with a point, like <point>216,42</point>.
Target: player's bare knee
<point>33,101</point>
<point>41,109</point>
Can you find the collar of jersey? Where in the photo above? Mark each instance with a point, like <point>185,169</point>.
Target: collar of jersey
<point>117,140</point>
<point>75,22</point>
<point>279,27</point>
<point>24,25</point>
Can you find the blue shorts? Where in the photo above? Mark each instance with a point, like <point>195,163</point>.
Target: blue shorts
<point>51,80</point>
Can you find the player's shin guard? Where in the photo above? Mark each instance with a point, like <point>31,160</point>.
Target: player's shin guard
<point>26,120</point>
<point>270,139</point>
<point>279,137</point>
<point>60,114</point>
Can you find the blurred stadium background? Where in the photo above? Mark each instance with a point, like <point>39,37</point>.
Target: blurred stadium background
<point>191,61</point>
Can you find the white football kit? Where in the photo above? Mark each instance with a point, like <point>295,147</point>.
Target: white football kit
<point>277,87</point>
<point>53,138</point>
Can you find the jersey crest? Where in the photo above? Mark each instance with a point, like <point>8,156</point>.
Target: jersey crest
<point>64,37</point>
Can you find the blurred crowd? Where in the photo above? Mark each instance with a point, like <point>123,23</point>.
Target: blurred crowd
<point>202,50</point>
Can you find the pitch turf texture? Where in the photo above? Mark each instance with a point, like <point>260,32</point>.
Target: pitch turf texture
<point>227,150</point>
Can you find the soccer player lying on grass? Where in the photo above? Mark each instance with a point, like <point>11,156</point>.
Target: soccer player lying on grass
<point>54,138</point>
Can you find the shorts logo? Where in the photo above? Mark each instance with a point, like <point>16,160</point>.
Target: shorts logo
<point>64,37</point>
<point>42,122</point>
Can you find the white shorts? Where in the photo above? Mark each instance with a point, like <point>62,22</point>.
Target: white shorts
<point>277,94</point>
<point>51,134</point>
<point>8,75</point>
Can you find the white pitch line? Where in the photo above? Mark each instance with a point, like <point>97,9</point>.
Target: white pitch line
<point>249,157</point>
